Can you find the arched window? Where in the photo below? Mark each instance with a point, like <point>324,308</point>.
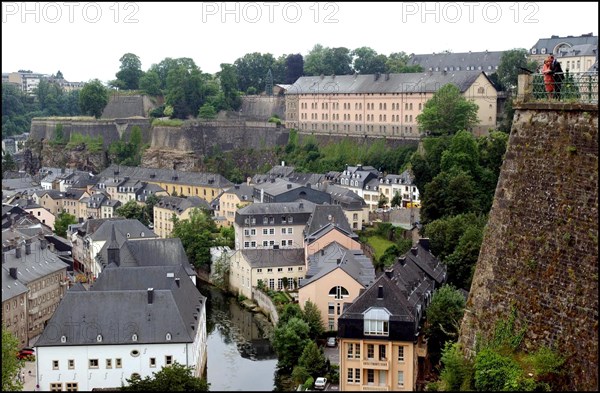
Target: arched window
<point>338,292</point>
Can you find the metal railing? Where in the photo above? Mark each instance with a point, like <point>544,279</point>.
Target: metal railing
<point>568,87</point>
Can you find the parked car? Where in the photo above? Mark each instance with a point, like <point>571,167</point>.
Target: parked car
<point>331,342</point>
<point>25,353</point>
<point>320,383</point>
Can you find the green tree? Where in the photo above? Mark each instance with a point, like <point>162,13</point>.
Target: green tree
<point>383,201</point>
<point>11,365</point>
<point>444,314</point>
<point>289,341</point>
<point>8,163</point>
<point>447,112</point>
<point>461,263</point>
<point>398,63</point>
<point>93,98</point>
<point>313,360</point>
<point>367,61</point>
<point>511,64</point>
<point>150,83</point>
<point>196,234</point>
<point>132,210</point>
<point>151,201</point>
<point>300,375</point>
<point>252,70</point>
<point>175,378</point>
<point>62,222</point>
<point>290,310</point>
<point>130,72</point>
<point>294,68</point>
<point>207,112</point>
<point>312,316</point>
<point>229,87</point>
<point>184,87</point>
<point>328,61</point>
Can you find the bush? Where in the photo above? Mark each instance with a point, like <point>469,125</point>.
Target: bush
<point>167,122</point>
<point>309,383</point>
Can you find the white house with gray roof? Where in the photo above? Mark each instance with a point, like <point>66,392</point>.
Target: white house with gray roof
<point>132,321</point>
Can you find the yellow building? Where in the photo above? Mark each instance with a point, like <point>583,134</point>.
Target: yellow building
<point>176,183</point>
<point>233,199</point>
<point>384,105</point>
<point>170,206</point>
<point>380,344</point>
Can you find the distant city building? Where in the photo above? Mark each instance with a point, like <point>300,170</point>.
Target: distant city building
<point>381,104</point>
<point>553,45</point>
<point>485,61</point>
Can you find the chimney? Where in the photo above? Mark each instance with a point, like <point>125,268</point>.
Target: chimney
<point>424,242</point>
<point>282,163</point>
<point>13,271</point>
<point>289,186</point>
<point>248,180</point>
<point>389,272</point>
<point>387,76</point>
<point>262,195</point>
<point>322,252</point>
<point>177,282</point>
<point>414,250</point>
<point>150,295</point>
<point>43,243</point>
<point>308,185</point>
<point>402,260</point>
<point>301,206</point>
<point>380,292</point>
<point>377,74</point>
<point>18,251</point>
<point>27,246</point>
<point>51,247</point>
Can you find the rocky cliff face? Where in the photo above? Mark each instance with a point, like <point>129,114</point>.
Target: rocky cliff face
<point>42,153</point>
<point>540,248</point>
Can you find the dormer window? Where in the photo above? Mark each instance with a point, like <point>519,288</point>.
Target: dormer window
<point>168,337</point>
<point>134,337</point>
<point>99,338</point>
<point>63,339</point>
<point>376,322</point>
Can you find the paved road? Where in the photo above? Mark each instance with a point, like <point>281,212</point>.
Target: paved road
<point>30,378</point>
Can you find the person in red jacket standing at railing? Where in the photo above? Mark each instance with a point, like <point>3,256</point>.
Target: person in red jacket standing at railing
<point>548,77</point>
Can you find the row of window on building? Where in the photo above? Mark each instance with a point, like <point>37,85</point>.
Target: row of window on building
<point>358,106</point>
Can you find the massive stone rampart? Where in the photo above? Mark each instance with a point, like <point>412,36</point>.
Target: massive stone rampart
<point>540,247</point>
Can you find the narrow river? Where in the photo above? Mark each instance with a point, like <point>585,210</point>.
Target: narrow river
<point>239,354</point>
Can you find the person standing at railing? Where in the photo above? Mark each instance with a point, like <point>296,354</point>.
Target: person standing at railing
<point>558,75</point>
<point>548,77</point>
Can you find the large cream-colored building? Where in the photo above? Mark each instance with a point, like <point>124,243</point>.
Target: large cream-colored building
<point>381,105</point>
<point>233,199</point>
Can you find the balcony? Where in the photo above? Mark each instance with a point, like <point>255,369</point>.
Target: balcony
<point>376,364</point>
<point>374,388</point>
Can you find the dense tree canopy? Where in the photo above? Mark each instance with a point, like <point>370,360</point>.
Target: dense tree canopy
<point>447,112</point>
<point>175,378</point>
<point>62,222</point>
<point>367,61</point>
<point>294,68</point>
<point>130,72</point>
<point>196,234</point>
<point>289,340</point>
<point>511,65</point>
<point>11,365</point>
<point>93,98</point>
<point>444,314</point>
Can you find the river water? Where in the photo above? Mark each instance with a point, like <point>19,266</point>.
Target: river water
<point>239,354</point>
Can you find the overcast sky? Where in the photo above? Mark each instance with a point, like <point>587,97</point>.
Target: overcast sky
<point>85,40</point>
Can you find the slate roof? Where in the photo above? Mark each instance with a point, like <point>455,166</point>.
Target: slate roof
<point>302,206</point>
<point>324,215</point>
<point>344,197</point>
<point>166,175</point>
<point>578,50</point>
<point>336,256</point>
<point>10,286</point>
<point>147,252</point>
<point>123,226</point>
<point>261,258</point>
<point>277,171</point>
<point>39,263</point>
<point>243,191</point>
<point>83,315</point>
<point>393,300</point>
<point>488,61</point>
<point>427,82</point>
<point>180,205</point>
<point>550,43</point>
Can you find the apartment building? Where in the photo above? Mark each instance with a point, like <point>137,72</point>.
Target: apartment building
<point>381,105</point>
<point>233,199</point>
<point>272,225</point>
<point>176,183</point>
<point>169,207</point>
<point>42,273</point>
